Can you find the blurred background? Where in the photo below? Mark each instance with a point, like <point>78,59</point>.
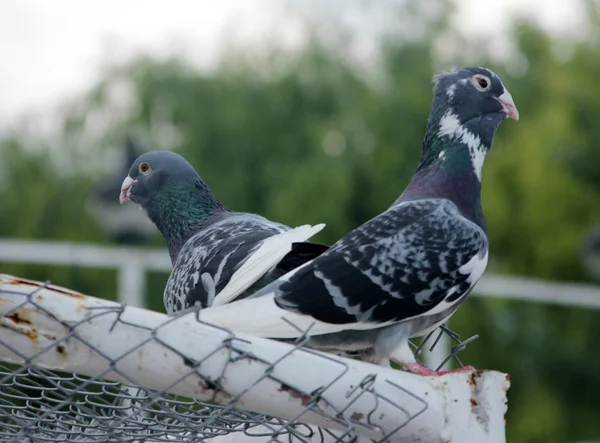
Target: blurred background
<point>309,111</point>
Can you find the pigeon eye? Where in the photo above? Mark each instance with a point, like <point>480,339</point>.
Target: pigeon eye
<point>144,168</point>
<point>481,82</point>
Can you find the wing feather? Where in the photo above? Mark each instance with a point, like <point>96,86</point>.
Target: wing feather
<point>401,264</point>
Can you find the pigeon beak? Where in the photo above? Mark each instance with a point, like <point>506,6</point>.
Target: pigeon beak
<point>509,105</point>
<point>126,189</point>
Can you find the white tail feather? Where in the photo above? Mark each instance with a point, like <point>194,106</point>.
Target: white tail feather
<point>270,252</point>
<point>263,318</point>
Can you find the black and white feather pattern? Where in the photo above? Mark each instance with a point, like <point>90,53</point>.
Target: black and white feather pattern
<point>229,255</point>
<point>418,259</point>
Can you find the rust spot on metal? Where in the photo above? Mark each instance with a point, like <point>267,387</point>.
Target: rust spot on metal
<point>23,324</point>
<point>295,394</point>
<point>64,291</point>
<point>67,292</point>
<point>474,378</point>
<point>357,416</point>
<point>49,337</point>
<point>61,349</point>
<point>208,385</point>
<point>506,384</point>
<point>19,318</point>
<point>31,333</point>
<point>23,281</point>
<point>474,403</point>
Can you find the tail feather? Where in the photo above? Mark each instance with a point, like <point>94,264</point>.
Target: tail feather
<point>263,318</point>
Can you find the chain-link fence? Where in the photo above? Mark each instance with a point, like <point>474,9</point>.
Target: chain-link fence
<point>83,369</point>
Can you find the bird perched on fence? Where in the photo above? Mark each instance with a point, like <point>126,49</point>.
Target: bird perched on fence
<point>406,271</point>
<point>217,255</point>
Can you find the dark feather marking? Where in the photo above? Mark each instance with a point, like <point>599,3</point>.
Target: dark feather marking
<point>375,273</point>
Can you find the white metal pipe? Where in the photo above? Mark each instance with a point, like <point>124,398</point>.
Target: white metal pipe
<point>61,330</point>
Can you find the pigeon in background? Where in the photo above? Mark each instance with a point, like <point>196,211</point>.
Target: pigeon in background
<point>125,226</point>
<point>406,271</point>
<point>217,255</point>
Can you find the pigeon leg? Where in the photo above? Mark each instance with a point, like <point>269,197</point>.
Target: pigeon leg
<point>454,371</point>
<point>416,368</point>
<point>402,355</point>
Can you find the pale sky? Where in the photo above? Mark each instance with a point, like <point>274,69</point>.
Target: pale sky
<point>51,50</point>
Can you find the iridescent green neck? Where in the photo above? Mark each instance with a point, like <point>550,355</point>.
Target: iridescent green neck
<point>180,210</point>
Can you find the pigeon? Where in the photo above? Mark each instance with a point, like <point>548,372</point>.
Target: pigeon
<point>403,273</point>
<point>217,255</point>
<point>123,226</point>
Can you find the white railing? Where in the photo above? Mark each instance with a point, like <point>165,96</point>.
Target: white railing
<point>130,263</point>
<point>133,263</point>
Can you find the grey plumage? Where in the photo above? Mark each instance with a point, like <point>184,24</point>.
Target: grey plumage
<point>217,255</point>
<point>210,258</point>
<point>413,255</point>
<point>406,271</point>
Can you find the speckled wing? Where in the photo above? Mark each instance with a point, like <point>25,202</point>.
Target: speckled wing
<point>417,258</point>
<point>228,256</point>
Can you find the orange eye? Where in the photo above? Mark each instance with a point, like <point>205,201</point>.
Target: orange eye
<point>144,168</point>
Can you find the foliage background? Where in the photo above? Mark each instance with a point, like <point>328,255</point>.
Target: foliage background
<point>314,136</point>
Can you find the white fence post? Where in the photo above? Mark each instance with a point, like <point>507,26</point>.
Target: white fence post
<point>132,281</point>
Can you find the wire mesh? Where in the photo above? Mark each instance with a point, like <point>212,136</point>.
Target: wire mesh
<point>39,405</point>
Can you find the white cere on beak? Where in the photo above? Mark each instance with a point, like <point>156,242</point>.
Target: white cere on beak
<point>509,105</point>
<point>126,189</point>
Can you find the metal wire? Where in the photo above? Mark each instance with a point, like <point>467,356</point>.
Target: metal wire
<point>38,405</point>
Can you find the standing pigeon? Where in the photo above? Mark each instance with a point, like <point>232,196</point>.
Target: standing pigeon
<point>405,272</point>
<point>217,255</point>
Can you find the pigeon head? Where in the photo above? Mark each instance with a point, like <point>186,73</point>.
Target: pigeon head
<point>474,93</point>
<point>467,108</point>
<point>172,194</point>
<point>155,175</point>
